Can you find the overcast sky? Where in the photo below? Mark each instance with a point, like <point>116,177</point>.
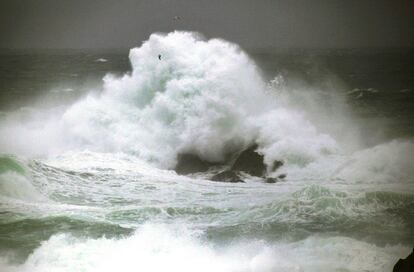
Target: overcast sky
<point>251,23</point>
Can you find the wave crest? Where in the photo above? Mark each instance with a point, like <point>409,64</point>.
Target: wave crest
<point>203,97</point>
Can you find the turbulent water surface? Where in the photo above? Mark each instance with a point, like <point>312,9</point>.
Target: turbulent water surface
<point>86,170</point>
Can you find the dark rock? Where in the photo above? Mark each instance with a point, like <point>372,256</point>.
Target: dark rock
<point>405,265</point>
<point>271,180</point>
<point>276,165</point>
<point>281,176</point>
<point>274,180</point>
<point>227,176</point>
<point>250,162</point>
<point>189,164</point>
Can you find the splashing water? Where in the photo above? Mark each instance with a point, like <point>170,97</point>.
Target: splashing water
<point>91,189</point>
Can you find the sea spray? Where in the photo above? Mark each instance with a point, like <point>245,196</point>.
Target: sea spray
<point>209,101</point>
<point>204,97</point>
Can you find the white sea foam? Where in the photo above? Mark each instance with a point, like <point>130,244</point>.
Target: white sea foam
<point>162,248</point>
<point>209,101</point>
<point>388,162</point>
<point>101,60</point>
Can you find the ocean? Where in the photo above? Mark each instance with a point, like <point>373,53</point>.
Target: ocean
<point>90,141</point>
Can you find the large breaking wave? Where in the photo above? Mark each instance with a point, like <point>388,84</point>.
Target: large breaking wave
<point>186,94</point>
<point>204,97</point>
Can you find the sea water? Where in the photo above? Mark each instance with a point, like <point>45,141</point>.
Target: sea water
<point>89,141</point>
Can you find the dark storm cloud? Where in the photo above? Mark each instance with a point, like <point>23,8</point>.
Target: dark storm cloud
<point>251,23</point>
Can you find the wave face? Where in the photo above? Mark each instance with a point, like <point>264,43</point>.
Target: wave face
<point>14,182</point>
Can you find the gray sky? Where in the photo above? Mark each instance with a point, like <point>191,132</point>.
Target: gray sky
<point>250,23</point>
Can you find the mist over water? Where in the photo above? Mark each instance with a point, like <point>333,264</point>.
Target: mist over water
<point>89,184</point>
